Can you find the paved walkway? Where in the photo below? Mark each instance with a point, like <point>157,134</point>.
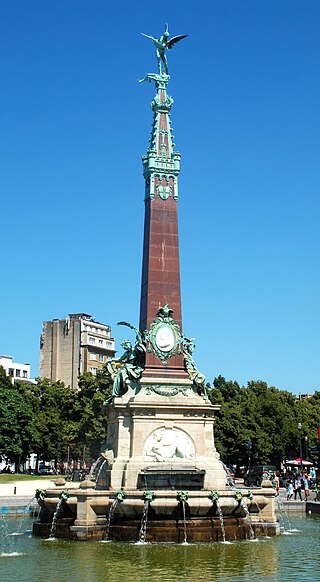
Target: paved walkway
<point>25,488</point>
<point>15,497</point>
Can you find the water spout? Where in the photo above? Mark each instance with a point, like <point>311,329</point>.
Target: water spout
<point>99,472</point>
<point>284,517</point>
<point>148,497</point>
<point>63,497</point>
<point>214,496</point>
<point>28,506</point>
<point>182,498</point>
<point>93,468</point>
<point>264,525</point>
<point>120,495</point>
<point>244,506</point>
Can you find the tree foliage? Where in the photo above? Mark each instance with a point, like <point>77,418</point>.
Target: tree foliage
<point>262,421</point>
<point>18,432</point>
<point>51,419</point>
<point>57,422</point>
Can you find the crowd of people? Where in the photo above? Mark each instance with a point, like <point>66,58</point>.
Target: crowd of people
<point>301,484</point>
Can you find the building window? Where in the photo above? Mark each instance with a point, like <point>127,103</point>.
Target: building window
<point>93,371</point>
<point>109,344</point>
<point>100,342</point>
<point>92,341</point>
<point>92,356</point>
<point>11,372</point>
<point>100,358</point>
<point>25,374</point>
<point>17,373</point>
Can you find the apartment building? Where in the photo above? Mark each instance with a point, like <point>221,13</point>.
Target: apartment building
<point>16,371</point>
<point>71,346</point>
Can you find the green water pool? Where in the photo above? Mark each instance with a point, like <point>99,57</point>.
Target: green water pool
<point>292,556</point>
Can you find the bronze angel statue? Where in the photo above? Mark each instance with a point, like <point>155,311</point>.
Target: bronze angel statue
<point>161,45</point>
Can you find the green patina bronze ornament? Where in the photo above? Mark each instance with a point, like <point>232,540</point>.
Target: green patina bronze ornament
<point>148,496</point>
<point>238,496</point>
<point>172,391</point>
<point>120,495</point>
<point>64,495</point>
<point>161,45</point>
<point>182,496</point>
<point>164,337</point>
<point>40,494</point>
<point>214,496</point>
<point>198,379</point>
<point>129,367</point>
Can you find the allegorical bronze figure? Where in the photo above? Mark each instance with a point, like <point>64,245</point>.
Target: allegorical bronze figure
<point>161,45</point>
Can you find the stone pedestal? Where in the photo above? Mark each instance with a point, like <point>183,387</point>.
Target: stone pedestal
<point>163,424</point>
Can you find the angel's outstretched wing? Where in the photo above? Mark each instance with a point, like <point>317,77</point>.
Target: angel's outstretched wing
<point>174,40</point>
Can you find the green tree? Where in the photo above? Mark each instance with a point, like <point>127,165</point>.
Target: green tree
<point>18,432</point>
<point>56,417</point>
<point>257,414</point>
<point>308,413</point>
<point>70,422</point>
<point>92,424</point>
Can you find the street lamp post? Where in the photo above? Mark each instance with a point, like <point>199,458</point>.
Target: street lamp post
<point>248,447</point>
<point>300,443</point>
<point>306,441</point>
<point>273,451</point>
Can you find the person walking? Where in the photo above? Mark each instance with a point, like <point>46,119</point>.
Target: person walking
<point>305,486</point>
<point>290,490</point>
<point>312,478</point>
<point>297,487</point>
<point>277,482</point>
<point>317,491</point>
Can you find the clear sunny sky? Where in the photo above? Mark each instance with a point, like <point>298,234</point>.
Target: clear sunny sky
<point>246,118</point>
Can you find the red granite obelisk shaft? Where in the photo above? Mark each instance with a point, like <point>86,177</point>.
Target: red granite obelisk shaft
<point>161,266</point>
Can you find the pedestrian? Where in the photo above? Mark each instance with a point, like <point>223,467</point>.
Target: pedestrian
<point>305,486</point>
<point>277,482</point>
<point>313,474</point>
<point>290,490</point>
<point>297,487</point>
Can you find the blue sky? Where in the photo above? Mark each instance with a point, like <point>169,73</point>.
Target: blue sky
<point>74,125</point>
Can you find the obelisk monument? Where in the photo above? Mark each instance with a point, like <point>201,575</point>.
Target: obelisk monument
<point>160,420</point>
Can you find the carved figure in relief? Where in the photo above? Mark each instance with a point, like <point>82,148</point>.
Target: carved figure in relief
<point>161,45</point>
<point>169,444</point>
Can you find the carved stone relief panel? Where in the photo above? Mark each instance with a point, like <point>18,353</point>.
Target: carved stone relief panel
<point>168,444</point>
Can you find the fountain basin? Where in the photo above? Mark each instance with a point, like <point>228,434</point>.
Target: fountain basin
<point>84,515</point>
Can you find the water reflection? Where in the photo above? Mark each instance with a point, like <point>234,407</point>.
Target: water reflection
<point>285,558</point>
